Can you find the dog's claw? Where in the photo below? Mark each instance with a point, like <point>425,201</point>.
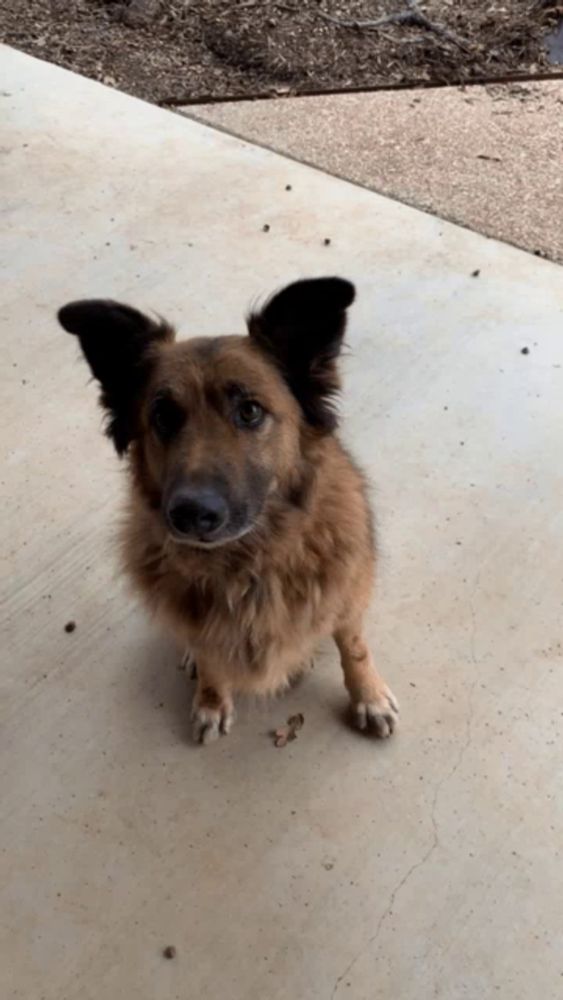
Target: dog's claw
<point>379,716</point>
<point>211,723</point>
<point>205,732</point>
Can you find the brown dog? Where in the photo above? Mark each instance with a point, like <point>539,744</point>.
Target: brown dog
<point>248,526</point>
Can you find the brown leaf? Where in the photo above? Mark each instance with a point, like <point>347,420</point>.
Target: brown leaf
<point>296,722</point>
<point>286,734</point>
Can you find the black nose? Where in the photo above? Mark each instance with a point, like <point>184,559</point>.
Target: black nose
<point>199,512</point>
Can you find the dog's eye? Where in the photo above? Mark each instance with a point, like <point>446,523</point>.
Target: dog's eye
<point>249,413</point>
<point>166,417</point>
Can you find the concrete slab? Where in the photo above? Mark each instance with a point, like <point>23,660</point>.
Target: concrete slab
<point>427,867</point>
<point>486,157</point>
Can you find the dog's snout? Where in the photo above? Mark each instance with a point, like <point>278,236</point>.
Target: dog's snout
<point>198,512</point>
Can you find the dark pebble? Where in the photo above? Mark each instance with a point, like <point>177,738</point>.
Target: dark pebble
<point>266,228</point>
<point>525,350</point>
<point>326,241</point>
<point>169,951</point>
<point>70,626</point>
<point>476,273</point>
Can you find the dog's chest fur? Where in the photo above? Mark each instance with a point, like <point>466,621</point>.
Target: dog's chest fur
<point>262,604</point>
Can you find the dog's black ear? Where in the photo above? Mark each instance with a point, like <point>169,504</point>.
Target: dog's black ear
<point>302,329</point>
<point>116,342</point>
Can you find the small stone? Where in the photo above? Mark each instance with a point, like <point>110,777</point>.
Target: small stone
<point>70,626</point>
<point>169,951</point>
<point>525,350</point>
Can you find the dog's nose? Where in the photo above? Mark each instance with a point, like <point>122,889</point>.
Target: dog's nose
<point>200,512</point>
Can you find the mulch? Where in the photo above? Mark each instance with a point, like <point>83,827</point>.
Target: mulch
<point>163,50</point>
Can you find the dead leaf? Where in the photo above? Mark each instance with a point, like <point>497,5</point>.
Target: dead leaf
<point>286,734</point>
<point>296,722</point>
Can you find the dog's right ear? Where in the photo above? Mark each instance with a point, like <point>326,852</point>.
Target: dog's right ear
<point>301,328</point>
<point>116,341</point>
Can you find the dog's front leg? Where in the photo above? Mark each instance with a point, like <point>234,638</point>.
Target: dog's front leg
<point>373,704</point>
<point>213,711</point>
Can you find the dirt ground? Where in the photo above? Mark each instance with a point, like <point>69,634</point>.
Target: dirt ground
<point>191,49</point>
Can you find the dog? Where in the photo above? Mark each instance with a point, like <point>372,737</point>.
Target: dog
<point>248,529</point>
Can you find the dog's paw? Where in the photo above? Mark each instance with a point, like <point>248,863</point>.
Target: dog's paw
<point>379,715</point>
<point>208,723</point>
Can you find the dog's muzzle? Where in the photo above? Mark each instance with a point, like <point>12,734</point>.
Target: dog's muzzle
<point>196,514</point>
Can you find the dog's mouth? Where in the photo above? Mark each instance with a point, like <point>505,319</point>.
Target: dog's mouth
<point>207,541</point>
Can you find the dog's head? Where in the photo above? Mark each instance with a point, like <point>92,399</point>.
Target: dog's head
<point>215,426</point>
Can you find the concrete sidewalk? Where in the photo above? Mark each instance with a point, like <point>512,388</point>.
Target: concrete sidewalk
<point>335,868</point>
<point>486,157</point>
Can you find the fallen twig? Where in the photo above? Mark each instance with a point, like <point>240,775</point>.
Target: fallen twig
<point>403,17</point>
<point>412,17</point>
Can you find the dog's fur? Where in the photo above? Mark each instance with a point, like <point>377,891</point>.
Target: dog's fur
<point>294,560</point>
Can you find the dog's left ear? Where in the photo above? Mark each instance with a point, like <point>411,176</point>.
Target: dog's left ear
<point>116,341</point>
<point>302,328</point>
